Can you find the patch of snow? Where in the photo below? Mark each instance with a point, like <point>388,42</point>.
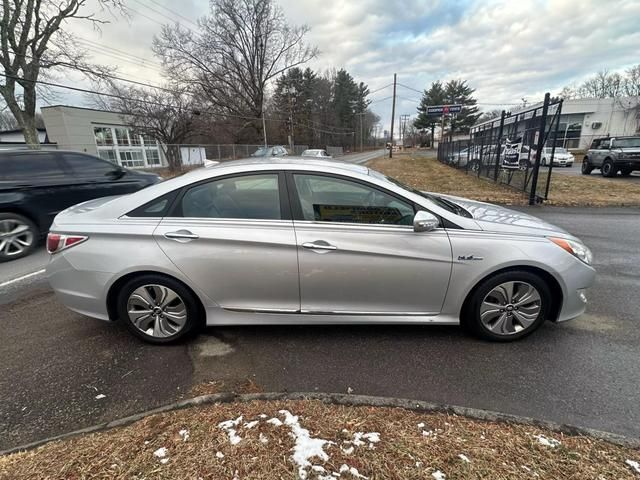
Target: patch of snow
<point>251,424</point>
<point>184,433</point>
<point>349,390</point>
<point>318,469</point>
<point>100,396</point>
<point>352,470</point>
<point>146,442</point>
<point>275,421</point>
<point>635,466</point>
<point>419,464</point>
<point>161,452</point>
<point>219,455</point>
<point>438,475</point>
<point>262,415</point>
<point>228,425</point>
<point>447,424</point>
<point>421,425</point>
<point>348,450</point>
<point>371,437</point>
<point>548,442</point>
<point>464,458</point>
<point>164,460</point>
<point>262,438</point>
<point>427,433</point>
<point>305,447</point>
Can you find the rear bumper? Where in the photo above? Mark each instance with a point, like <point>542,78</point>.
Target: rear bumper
<point>78,290</point>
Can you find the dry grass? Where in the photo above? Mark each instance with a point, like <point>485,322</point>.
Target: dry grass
<point>494,450</point>
<point>426,173</point>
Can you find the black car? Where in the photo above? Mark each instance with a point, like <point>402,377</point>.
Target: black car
<point>36,185</point>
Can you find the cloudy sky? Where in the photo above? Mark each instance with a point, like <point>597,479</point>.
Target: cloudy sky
<point>507,50</point>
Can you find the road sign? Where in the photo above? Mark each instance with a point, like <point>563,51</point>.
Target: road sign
<point>443,109</point>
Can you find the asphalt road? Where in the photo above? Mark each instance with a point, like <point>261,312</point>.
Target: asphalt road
<point>584,372</point>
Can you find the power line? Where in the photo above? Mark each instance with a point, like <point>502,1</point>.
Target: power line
<point>381,88</point>
<point>382,99</point>
<point>158,13</point>
<point>173,12</point>
<point>160,104</point>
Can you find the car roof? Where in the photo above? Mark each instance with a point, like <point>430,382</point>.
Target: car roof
<point>284,162</point>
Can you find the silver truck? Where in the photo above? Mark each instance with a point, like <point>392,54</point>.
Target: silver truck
<point>612,155</point>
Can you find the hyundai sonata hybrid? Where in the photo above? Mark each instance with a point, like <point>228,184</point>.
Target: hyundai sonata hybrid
<point>310,241</point>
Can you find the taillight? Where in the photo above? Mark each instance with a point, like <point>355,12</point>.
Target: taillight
<point>56,242</point>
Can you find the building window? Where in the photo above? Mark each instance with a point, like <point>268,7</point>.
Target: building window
<point>153,157</point>
<point>135,138</point>
<point>122,136</point>
<point>108,155</point>
<point>131,158</point>
<point>103,136</point>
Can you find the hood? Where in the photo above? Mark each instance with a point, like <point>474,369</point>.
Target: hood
<point>495,218</point>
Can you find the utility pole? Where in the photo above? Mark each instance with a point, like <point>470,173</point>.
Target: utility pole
<point>393,114</point>
<point>264,130</point>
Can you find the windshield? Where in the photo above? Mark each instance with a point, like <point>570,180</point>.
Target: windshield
<point>626,142</point>
<point>448,205</point>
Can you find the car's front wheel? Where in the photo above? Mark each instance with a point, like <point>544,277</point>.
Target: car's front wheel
<point>507,306</point>
<point>18,236</point>
<point>158,309</point>
<point>607,168</point>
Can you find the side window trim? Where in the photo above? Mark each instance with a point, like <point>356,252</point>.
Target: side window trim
<point>296,208</point>
<point>175,210</point>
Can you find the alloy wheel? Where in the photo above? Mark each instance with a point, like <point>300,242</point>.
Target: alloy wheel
<point>15,237</point>
<point>157,311</point>
<point>510,308</point>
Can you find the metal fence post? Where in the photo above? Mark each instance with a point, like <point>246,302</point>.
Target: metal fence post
<point>500,129</point>
<point>553,148</point>
<point>540,146</point>
<point>219,155</point>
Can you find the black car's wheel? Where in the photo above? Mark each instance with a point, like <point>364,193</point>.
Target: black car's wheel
<point>158,309</point>
<point>507,306</point>
<point>607,169</point>
<point>474,166</point>
<point>543,162</point>
<point>625,172</point>
<point>18,236</point>
<point>586,167</point>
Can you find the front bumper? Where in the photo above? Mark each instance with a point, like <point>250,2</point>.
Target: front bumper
<point>631,164</point>
<point>577,281</point>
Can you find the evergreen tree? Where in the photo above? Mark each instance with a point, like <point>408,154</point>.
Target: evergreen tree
<point>435,95</point>
<point>458,92</point>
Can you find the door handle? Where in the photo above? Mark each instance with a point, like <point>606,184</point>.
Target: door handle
<point>319,246</point>
<point>181,235</point>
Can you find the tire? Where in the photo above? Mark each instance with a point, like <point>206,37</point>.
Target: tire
<point>586,167</point>
<point>175,319</point>
<point>626,172</point>
<point>543,162</point>
<point>506,321</point>
<point>474,166</point>
<point>16,245</point>
<point>608,169</point>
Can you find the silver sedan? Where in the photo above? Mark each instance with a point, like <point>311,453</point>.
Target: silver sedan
<point>293,241</point>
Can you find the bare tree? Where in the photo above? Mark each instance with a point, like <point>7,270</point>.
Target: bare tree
<point>167,114</point>
<point>240,46</point>
<point>7,121</point>
<point>32,43</point>
<point>632,82</point>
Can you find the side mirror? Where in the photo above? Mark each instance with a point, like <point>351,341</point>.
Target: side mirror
<point>425,222</point>
<point>117,173</point>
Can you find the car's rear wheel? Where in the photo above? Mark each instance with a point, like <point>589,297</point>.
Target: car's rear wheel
<point>158,309</point>
<point>507,306</point>
<point>18,236</point>
<point>586,167</point>
<point>607,168</point>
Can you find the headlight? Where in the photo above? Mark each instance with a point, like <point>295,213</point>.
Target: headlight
<point>577,249</point>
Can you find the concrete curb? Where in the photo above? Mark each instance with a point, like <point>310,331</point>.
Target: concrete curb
<point>342,399</point>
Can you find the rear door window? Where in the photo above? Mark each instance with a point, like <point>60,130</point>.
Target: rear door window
<point>246,196</point>
<point>88,167</point>
<point>25,166</point>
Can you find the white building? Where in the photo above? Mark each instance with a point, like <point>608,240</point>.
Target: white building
<point>585,119</point>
